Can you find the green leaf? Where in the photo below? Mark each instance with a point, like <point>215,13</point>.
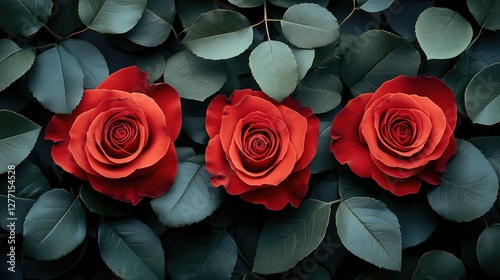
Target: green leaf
<point>94,66</point>
<point>439,265</point>
<point>155,24</point>
<point>247,3</point>
<point>290,236</point>
<point>488,145</point>
<point>289,3</point>
<point>320,91</point>
<point>104,205</point>
<point>24,17</point>
<point>153,63</point>
<point>275,69</point>
<point>111,16</point>
<point>324,159</point>
<point>64,20</point>
<point>373,6</point>
<point>60,89</point>
<point>309,26</point>
<point>468,188</point>
<point>219,34</point>
<point>375,57</point>
<point>370,231</point>
<point>482,96</point>
<point>351,185</point>
<point>193,120</point>
<point>189,11</point>
<point>487,250</point>
<point>207,255</point>
<point>29,185</point>
<point>193,77</point>
<point>437,30</point>
<point>191,199</point>
<point>486,13</point>
<point>131,249</point>
<point>54,226</point>
<point>304,59</point>
<point>18,136</point>
<point>14,62</point>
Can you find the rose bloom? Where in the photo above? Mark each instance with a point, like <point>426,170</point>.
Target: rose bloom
<point>120,137</point>
<point>399,135</point>
<point>260,149</point>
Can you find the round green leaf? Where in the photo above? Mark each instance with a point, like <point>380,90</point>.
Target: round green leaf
<point>189,11</point>
<point>364,222</point>
<point>131,249</point>
<point>59,89</point>
<point>304,59</point>
<point>290,236</point>
<point>468,188</point>
<point>209,255</point>
<point>309,26</point>
<point>373,6</point>
<point>324,160</point>
<point>24,17</point>
<point>54,226</point>
<point>29,185</point>
<point>104,205</point>
<point>289,3</point>
<point>153,63</point>
<point>275,69</point>
<point>320,91</point>
<point>487,250</point>
<point>219,34</point>
<point>486,13</point>
<point>482,96</point>
<point>439,265</point>
<point>18,136</point>
<point>488,145</point>
<point>247,3</point>
<point>191,199</point>
<point>442,33</point>
<point>111,16</point>
<point>94,66</point>
<point>375,57</point>
<point>155,24</point>
<point>193,77</point>
<point>14,62</point>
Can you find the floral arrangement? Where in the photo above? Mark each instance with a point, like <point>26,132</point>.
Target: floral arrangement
<point>249,139</point>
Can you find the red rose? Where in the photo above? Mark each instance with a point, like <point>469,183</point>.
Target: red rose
<point>399,135</point>
<point>120,137</point>
<point>261,149</point>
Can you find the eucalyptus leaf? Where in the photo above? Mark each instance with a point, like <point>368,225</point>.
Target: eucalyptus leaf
<point>191,199</point>
<point>486,13</point>
<point>324,160</point>
<point>193,77</point>
<point>24,17</point>
<point>490,148</point>
<point>487,250</point>
<point>59,89</point>
<point>247,3</point>
<point>189,11</point>
<point>131,249</point>
<point>364,222</point>
<point>373,6</point>
<point>375,57</point>
<point>219,34</point>
<point>469,186</point>
<point>482,96</point>
<point>54,226</point>
<point>111,16</point>
<point>14,62</point>
<point>209,255</point>
<point>439,265</point>
<point>304,59</point>
<point>18,136</point>
<point>289,3</point>
<point>320,91</point>
<point>309,25</point>
<point>290,236</point>
<point>153,63</point>
<point>275,69</point>
<point>436,30</point>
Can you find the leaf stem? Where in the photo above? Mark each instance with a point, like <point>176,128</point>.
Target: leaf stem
<point>265,22</point>
<point>76,33</point>
<point>351,13</point>
<point>244,258</point>
<point>335,201</point>
<point>57,37</point>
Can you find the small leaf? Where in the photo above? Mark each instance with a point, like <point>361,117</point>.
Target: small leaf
<point>469,186</point>
<point>54,226</point>
<point>111,16</point>
<point>324,160</point>
<point>18,136</point>
<point>193,77</point>
<point>247,3</point>
<point>131,249</point>
<point>370,231</point>
<point>61,88</point>
<point>290,236</point>
<point>219,34</point>
<point>275,69</point>
<point>373,6</point>
<point>488,145</point>
<point>210,255</point>
<point>304,59</point>
<point>439,265</point>
<point>14,62</point>
<point>191,199</point>
<point>320,91</point>
<point>487,250</point>
<point>486,13</point>
<point>289,3</point>
<point>153,63</point>
<point>24,17</point>
<point>482,96</point>
<point>437,29</point>
<point>309,26</point>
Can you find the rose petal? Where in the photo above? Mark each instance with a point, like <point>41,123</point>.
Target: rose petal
<point>396,186</point>
<point>434,170</point>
